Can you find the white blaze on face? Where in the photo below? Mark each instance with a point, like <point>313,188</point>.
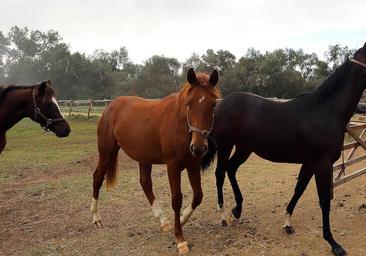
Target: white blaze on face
<point>58,107</point>
<point>202,99</point>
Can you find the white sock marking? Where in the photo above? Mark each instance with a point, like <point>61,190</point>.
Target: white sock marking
<point>186,214</point>
<point>94,210</point>
<point>223,212</point>
<point>158,213</point>
<point>287,219</point>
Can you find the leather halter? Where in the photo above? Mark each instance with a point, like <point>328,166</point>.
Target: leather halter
<point>37,112</point>
<point>204,133</point>
<point>358,62</point>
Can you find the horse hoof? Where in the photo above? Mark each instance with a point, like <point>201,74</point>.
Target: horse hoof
<point>183,247</point>
<point>98,224</point>
<point>236,212</point>
<point>166,227</point>
<point>224,223</point>
<point>288,229</point>
<point>339,251</point>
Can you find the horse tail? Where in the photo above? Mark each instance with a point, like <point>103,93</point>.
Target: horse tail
<point>108,151</point>
<point>111,175</point>
<point>209,157</point>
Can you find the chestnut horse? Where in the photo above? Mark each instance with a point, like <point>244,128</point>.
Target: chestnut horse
<point>37,102</point>
<point>170,131</point>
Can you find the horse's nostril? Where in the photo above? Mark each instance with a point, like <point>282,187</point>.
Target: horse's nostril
<point>205,148</point>
<point>192,148</point>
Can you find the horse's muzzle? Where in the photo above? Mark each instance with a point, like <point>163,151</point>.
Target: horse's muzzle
<point>63,132</point>
<point>198,150</point>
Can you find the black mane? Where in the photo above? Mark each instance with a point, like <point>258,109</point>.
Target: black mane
<point>330,85</point>
<point>4,89</point>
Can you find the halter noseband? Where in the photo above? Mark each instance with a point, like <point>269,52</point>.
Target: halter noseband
<point>37,112</point>
<point>358,62</point>
<point>204,133</point>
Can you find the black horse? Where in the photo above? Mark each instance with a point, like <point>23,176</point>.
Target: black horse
<point>308,130</point>
<point>37,102</point>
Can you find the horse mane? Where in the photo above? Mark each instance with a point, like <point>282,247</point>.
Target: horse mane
<point>4,89</point>
<point>330,85</point>
<point>203,81</point>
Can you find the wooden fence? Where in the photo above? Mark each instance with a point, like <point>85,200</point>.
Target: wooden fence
<point>83,107</point>
<point>353,154</point>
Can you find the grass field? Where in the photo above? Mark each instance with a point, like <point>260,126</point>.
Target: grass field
<point>45,194</point>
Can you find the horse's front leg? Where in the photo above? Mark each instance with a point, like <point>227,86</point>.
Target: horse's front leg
<point>2,142</point>
<point>323,178</point>
<point>194,174</point>
<point>174,173</point>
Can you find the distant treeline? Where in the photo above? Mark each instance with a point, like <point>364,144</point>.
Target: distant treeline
<point>28,56</point>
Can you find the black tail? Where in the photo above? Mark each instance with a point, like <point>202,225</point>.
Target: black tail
<point>209,157</point>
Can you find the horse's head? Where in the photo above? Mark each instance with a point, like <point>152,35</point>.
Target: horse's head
<point>360,58</point>
<point>46,111</point>
<point>200,96</point>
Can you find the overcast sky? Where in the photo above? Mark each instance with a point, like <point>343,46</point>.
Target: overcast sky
<point>179,28</point>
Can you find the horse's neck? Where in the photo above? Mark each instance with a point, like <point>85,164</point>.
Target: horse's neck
<point>14,107</point>
<point>180,109</point>
<point>342,103</point>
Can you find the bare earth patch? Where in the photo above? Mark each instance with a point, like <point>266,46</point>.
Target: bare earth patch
<point>45,211</point>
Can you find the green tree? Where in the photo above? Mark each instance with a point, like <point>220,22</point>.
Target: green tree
<point>158,77</point>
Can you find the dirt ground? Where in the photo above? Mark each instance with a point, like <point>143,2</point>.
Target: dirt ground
<point>45,211</point>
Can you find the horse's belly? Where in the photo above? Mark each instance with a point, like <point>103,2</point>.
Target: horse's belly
<point>143,152</point>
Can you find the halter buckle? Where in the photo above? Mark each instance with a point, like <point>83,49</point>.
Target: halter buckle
<point>205,133</point>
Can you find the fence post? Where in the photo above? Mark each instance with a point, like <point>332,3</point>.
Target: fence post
<point>90,107</point>
<point>70,105</point>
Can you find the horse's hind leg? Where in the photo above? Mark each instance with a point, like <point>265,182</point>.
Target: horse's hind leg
<point>107,165</point>
<point>222,161</point>
<point>146,184</point>
<point>239,157</point>
<point>306,172</point>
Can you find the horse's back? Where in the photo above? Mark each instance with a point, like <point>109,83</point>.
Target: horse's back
<point>135,122</point>
<point>270,129</point>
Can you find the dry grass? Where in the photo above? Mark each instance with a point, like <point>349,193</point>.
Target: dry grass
<point>45,197</point>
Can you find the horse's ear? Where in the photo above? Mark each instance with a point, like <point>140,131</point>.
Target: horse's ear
<point>191,76</point>
<point>42,88</point>
<point>214,78</point>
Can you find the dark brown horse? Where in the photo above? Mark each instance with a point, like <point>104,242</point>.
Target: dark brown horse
<point>308,130</point>
<point>37,102</point>
<point>170,131</point>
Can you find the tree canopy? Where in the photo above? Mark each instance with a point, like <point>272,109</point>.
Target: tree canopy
<point>28,56</point>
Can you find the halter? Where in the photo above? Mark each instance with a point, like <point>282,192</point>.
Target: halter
<point>204,133</point>
<point>37,112</point>
<point>358,62</point>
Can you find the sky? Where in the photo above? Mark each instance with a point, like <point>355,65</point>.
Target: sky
<point>180,28</point>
